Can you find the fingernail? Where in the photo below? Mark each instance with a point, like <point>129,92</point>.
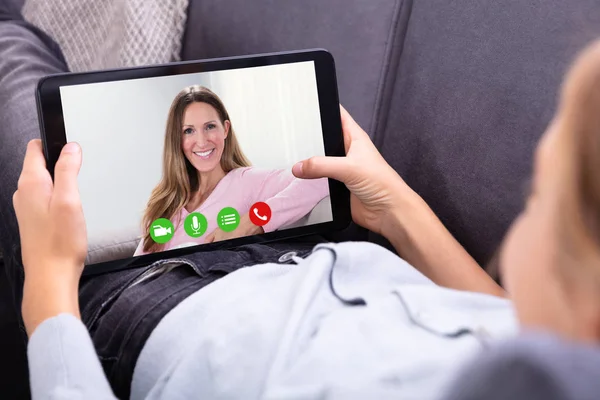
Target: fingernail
<point>297,169</point>
<point>71,148</point>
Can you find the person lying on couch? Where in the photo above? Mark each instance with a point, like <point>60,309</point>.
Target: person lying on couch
<point>346,322</point>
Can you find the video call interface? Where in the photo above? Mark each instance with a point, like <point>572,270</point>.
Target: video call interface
<point>183,160</point>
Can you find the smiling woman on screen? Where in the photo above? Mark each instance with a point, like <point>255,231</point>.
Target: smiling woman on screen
<point>205,170</point>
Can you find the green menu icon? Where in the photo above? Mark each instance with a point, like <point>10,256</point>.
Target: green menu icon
<point>228,219</point>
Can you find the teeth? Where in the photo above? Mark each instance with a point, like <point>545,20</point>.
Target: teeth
<point>203,153</point>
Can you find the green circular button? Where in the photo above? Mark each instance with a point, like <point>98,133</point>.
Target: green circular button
<point>228,219</point>
<point>195,224</point>
<point>162,230</point>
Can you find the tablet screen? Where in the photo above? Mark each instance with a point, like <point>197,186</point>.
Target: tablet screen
<point>182,160</point>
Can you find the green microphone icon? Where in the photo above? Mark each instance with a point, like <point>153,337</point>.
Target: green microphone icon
<point>195,225</point>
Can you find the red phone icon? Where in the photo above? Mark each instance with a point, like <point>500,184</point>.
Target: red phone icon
<point>260,213</point>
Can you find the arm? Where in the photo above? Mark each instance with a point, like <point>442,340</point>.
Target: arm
<point>62,360</point>
<point>288,197</point>
<point>421,239</point>
<point>139,250</point>
<point>383,203</point>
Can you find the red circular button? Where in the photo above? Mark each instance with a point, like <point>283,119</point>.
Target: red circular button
<point>260,213</point>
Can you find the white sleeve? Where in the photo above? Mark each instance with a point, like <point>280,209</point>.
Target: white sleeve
<point>63,363</point>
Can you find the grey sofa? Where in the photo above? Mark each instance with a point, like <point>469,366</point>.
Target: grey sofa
<point>455,93</point>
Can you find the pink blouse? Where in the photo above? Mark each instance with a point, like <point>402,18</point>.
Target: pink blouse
<point>288,197</point>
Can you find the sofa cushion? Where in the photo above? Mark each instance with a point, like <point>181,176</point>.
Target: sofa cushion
<point>474,89</point>
<point>356,32</point>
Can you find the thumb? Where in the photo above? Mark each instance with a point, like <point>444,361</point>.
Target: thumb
<point>66,171</point>
<point>337,168</point>
<point>211,237</point>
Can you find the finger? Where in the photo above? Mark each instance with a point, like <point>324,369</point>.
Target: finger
<point>66,171</point>
<point>351,127</point>
<point>34,157</point>
<point>338,168</point>
<point>211,237</point>
<point>35,183</point>
<point>16,203</point>
<point>346,135</point>
<point>34,173</point>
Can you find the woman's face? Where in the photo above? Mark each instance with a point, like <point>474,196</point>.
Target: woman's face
<point>203,136</point>
<point>530,254</point>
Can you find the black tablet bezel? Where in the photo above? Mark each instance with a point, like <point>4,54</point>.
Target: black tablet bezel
<point>54,137</point>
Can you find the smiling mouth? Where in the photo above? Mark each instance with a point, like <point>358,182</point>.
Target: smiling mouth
<point>204,154</point>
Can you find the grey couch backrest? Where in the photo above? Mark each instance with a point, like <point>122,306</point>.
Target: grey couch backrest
<point>475,86</point>
<point>455,93</point>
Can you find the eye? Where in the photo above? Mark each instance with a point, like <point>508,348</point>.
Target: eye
<point>211,126</point>
<point>188,131</point>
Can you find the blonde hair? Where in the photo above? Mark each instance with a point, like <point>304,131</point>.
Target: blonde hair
<point>579,125</point>
<point>180,180</point>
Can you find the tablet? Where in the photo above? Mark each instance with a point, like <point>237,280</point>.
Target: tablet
<point>196,156</point>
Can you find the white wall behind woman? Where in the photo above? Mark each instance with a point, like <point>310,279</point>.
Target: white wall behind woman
<point>274,111</point>
<point>121,126</point>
